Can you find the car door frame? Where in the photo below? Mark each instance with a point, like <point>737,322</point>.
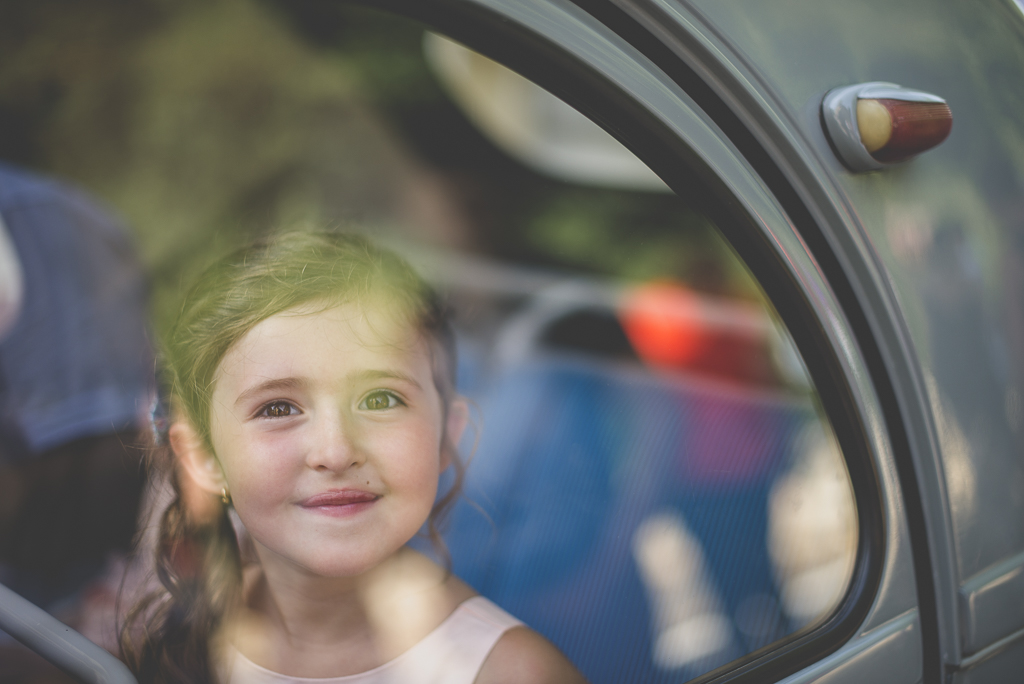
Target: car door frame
<point>802,248</point>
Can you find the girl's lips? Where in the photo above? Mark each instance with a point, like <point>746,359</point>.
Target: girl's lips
<point>340,502</point>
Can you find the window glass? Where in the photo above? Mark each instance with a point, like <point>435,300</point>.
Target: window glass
<point>652,484</point>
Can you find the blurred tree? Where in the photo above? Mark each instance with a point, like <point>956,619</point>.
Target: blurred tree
<point>205,123</point>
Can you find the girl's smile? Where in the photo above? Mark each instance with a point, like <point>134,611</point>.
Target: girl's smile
<point>340,502</point>
<point>328,428</point>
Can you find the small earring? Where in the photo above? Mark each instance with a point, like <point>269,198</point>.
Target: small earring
<point>225,496</point>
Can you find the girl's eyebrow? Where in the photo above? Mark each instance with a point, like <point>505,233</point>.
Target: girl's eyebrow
<point>386,375</point>
<point>284,384</point>
<point>272,385</point>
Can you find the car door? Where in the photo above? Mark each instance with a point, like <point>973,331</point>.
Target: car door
<point>918,311</point>
<point>669,114</point>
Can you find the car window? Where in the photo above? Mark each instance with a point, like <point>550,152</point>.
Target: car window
<point>652,483</point>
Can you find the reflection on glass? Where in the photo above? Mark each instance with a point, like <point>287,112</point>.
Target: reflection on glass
<point>651,464</point>
<point>650,486</point>
<point>812,527</point>
<point>531,124</point>
<point>689,623</point>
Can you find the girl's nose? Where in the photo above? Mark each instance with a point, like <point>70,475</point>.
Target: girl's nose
<point>334,446</point>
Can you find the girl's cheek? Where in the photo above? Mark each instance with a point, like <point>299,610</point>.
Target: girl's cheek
<point>259,465</point>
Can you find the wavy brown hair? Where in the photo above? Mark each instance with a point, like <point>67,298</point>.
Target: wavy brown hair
<point>166,637</point>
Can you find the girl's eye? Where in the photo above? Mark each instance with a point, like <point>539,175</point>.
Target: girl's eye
<point>278,409</point>
<point>379,400</point>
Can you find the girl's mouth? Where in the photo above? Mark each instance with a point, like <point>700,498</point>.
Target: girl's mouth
<point>340,502</point>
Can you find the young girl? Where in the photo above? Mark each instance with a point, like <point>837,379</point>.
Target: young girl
<point>312,382</point>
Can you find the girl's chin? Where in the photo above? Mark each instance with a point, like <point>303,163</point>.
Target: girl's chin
<point>327,556</point>
<point>345,565</point>
<point>337,568</point>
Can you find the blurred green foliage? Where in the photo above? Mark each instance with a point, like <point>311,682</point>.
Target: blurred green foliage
<point>206,123</point>
<point>612,232</point>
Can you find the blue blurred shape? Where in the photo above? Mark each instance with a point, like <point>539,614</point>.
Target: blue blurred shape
<point>576,455</point>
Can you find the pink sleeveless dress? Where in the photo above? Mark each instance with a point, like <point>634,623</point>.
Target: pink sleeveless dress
<point>451,654</point>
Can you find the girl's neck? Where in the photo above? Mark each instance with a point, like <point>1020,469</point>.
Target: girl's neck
<point>310,626</point>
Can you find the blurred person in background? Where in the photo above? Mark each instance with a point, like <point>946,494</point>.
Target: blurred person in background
<point>75,382</point>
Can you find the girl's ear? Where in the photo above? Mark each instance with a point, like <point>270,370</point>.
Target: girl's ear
<point>195,459</point>
<point>458,419</point>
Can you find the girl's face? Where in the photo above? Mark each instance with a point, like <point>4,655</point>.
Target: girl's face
<point>328,428</point>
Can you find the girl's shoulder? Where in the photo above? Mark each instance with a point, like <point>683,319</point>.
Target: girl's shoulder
<point>522,656</point>
<point>519,655</point>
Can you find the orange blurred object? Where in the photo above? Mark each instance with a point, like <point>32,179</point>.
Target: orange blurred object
<point>663,323</point>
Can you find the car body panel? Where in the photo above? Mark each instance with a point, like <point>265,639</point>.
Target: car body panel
<point>877,656</point>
